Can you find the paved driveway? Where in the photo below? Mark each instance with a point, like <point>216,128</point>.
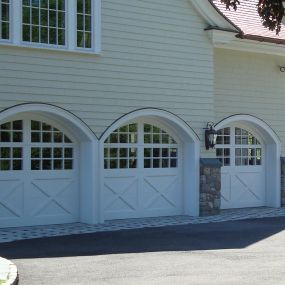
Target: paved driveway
<point>239,252</point>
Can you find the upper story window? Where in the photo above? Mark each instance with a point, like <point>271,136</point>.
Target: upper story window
<point>44,21</point>
<point>57,24</point>
<point>4,19</point>
<point>84,26</point>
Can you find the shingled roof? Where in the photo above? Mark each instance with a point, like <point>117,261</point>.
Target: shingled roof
<point>248,22</point>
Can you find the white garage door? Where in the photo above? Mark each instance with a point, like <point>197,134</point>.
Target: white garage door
<point>142,172</point>
<point>243,176</point>
<point>38,174</point>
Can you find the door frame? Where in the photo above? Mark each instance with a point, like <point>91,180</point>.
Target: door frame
<point>272,148</point>
<point>191,153</point>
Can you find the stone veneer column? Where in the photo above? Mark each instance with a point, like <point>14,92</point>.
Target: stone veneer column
<point>282,181</point>
<point>210,186</point>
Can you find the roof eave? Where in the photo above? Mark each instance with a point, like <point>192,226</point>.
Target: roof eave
<point>250,43</point>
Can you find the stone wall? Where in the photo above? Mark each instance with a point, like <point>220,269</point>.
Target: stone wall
<point>282,181</point>
<point>210,186</point>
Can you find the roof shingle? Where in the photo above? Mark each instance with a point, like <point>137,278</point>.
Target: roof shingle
<point>246,18</point>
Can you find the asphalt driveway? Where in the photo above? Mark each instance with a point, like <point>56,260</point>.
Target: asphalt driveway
<point>238,252</point>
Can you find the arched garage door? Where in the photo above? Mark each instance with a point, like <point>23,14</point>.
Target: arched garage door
<point>38,173</point>
<point>142,171</point>
<point>243,168</point>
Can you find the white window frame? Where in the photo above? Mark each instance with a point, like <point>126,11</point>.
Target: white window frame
<point>10,26</point>
<point>15,38</point>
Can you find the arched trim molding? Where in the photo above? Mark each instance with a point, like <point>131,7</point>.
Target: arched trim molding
<point>77,126</point>
<point>170,119</point>
<point>272,157</point>
<point>88,147</point>
<point>191,153</point>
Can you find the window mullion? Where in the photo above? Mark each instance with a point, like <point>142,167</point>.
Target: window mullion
<point>16,21</point>
<point>96,26</point>
<point>71,24</point>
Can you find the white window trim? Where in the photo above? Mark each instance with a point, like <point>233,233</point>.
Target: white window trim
<point>15,38</point>
<point>10,28</point>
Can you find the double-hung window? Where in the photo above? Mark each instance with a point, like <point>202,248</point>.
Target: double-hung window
<point>4,19</point>
<point>58,24</point>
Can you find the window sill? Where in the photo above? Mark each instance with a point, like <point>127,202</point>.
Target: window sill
<point>7,43</point>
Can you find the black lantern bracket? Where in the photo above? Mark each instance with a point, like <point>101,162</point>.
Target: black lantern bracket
<point>210,136</point>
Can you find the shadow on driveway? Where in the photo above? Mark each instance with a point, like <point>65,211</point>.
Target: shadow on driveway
<point>213,236</point>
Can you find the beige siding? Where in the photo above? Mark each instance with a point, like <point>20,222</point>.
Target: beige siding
<point>251,84</point>
<point>155,54</point>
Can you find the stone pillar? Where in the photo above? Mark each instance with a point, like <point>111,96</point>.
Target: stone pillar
<point>282,181</point>
<point>210,186</point>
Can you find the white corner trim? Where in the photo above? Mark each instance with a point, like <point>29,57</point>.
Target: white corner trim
<point>220,38</point>
<point>228,40</point>
<point>210,14</point>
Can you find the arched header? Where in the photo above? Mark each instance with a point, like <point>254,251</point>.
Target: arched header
<point>184,130</point>
<point>77,126</point>
<point>263,128</point>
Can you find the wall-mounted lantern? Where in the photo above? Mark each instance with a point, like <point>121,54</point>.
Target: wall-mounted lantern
<point>210,135</point>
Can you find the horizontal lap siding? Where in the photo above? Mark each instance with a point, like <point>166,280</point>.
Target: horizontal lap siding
<point>250,84</point>
<point>155,54</point>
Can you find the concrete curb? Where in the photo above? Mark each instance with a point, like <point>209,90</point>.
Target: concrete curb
<point>13,277</point>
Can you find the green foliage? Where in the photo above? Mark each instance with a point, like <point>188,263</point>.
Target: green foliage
<point>270,11</point>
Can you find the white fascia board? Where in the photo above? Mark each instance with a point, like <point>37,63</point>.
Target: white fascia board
<point>228,40</point>
<point>211,15</point>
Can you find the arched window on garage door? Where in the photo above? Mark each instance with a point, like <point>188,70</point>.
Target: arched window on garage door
<point>158,148</point>
<point>38,173</point>
<point>49,148</point>
<point>142,176</point>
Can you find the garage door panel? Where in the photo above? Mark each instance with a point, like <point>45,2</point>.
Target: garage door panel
<point>247,187</point>
<point>121,194</point>
<point>38,174</point>
<point>226,186</point>
<point>11,199</point>
<point>142,174</point>
<point>160,192</point>
<point>242,174</point>
<point>56,197</point>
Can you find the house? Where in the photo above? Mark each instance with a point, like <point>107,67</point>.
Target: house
<point>104,106</point>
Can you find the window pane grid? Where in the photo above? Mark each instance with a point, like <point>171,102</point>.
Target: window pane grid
<point>4,19</point>
<point>248,156</point>
<point>246,149</point>
<point>160,157</point>
<point>155,135</point>
<point>116,158</point>
<point>223,155</point>
<point>84,23</point>
<point>162,154</point>
<point>51,158</point>
<point>125,134</point>
<point>244,137</point>
<point>45,133</point>
<point>11,158</point>
<point>44,21</point>
<point>44,157</point>
<point>224,136</point>
<point>11,132</point>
